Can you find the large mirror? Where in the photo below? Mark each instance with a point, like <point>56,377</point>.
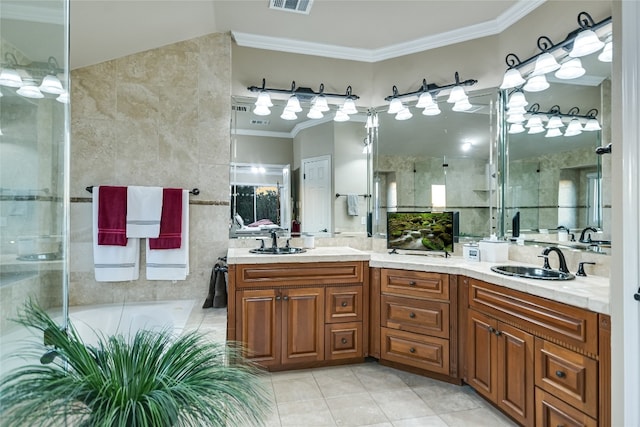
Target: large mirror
<point>556,189</point>
<point>439,163</point>
<point>303,176</point>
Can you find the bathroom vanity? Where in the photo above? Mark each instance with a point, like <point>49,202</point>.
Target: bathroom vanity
<point>538,350</point>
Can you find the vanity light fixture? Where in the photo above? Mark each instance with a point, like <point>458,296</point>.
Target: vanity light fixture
<point>535,129</point>
<point>516,128</point>
<point>427,97</point>
<point>554,123</point>
<point>340,116</point>
<point>404,114</point>
<point>300,95</point>
<point>34,79</point>
<point>574,128</point>
<point>580,42</point>
<point>552,133</point>
<point>570,69</point>
<point>587,41</point>
<point>592,123</point>
<point>517,99</point>
<point>607,52</point>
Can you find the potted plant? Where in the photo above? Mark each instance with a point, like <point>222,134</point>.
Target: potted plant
<point>153,379</point>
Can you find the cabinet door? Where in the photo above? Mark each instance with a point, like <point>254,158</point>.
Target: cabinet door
<point>258,325</point>
<point>343,340</point>
<point>515,373</point>
<point>303,325</point>
<point>553,412</point>
<point>482,355</point>
<point>343,304</point>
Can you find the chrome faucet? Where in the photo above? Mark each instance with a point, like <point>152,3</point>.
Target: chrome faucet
<point>563,262</point>
<point>587,239</point>
<point>274,239</point>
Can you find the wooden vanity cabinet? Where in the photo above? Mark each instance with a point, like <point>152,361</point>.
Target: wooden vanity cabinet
<point>542,362</point>
<point>298,315</point>
<point>416,320</point>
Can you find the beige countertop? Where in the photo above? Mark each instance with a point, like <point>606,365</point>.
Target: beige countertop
<point>590,292</point>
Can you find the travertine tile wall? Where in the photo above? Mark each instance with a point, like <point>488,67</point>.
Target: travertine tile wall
<point>157,118</point>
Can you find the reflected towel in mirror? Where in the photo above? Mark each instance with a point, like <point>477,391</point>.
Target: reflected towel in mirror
<point>352,204</point>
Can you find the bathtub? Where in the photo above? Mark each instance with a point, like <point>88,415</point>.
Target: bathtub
<point>97,320</point>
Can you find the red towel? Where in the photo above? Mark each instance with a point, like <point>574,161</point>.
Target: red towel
<point>170,221</point>
<point>112,216</point>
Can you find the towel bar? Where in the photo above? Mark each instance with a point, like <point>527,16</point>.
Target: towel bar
<point>195,191</point>
<point>360,195</point>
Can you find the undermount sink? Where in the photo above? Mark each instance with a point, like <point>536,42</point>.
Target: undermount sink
<point>532,272</point>
<point>277,251</point>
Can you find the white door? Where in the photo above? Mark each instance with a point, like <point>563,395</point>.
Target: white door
<point>316,195</point>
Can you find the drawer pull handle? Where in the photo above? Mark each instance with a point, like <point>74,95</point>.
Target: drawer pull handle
<point>412,315</point>
<point>412,283</point>
<point>560,374</point>
<point>343,340</point>
<point>412,350</point>
<point>344,303</point>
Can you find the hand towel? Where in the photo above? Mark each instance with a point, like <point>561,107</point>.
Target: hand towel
<point>144,207</point>
<point>352,204</point>
<point>171,264</point>
<point>112,215</point>
<point>170,221</point>
<point>113,263</point>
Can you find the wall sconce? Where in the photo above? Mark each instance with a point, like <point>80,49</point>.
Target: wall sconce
<point>38,78</point>
<point>535,119</point>
<point>563,58</point>
<point>427,95</point>
<point>298,95</point>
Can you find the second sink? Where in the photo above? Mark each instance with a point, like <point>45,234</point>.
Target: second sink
<point>277,251</point>
<point>532,272</point>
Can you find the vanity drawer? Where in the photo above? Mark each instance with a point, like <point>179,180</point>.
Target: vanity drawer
<point>415,283</point>
<point>420,351</point>
<point>419,316</point>
<point>572,325</point>
<point>567,375</point>
<point>291,274</point>
<point>343,304</point>
<point>553,412</point>
<point>343,341</point>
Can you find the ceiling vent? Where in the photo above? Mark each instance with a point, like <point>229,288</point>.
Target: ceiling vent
<point>238,108</point>
<point>298,6</point>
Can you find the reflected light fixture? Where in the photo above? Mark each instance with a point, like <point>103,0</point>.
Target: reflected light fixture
<point>51,83</point>
<point>431,110</point>
<point>607,52</point>
<point>535,129</point>
<point>536,84</point>
<point>516,118</point>
<point>516,110</point>
<point>293,104</point>
<point>466,146</point>
<point>571,69</point>
<point>592,123</point>
<point>29,89</point>
<point>462,105</point>
<point>424,100</point>
<point>63,98</point>
<point>341,116</point>
<point>315,114</point>
<point>404,114</point>
<point>9,75</point>
<point>289,114</point>
<point>555,122</point>
<point>517,99</point>
<point>516,128</point>
<point>552,133</point>
<point>534,121</point>
<point>574,128</point>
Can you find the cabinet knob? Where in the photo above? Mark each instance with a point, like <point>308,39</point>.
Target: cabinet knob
<point>412,350</point>
<point>277,297</point>
<point>344,303</point>
<point>412,283</point>
<point>560,374</point>
<point>412,315</point>
<point>286,298</point>
<point>343,340</point>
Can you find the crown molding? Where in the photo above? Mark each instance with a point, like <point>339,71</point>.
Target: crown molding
<point>484,29</point>
<point>263,133</point>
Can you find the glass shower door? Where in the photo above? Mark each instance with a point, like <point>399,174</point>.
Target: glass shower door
<point>34,141</point>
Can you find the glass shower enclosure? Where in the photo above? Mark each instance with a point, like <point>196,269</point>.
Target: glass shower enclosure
<point>34,162</point>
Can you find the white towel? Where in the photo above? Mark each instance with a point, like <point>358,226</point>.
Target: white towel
<point>114,263</point>
<point>171,264</point>
<point>144,208</point>
<point>352,204</point>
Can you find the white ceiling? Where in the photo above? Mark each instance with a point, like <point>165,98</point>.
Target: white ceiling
<point>365,30</point>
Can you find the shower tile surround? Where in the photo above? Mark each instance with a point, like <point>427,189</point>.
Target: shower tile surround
<point>157,118</point>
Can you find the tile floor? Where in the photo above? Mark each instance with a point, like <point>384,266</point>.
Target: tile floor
<point>366,394</point>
